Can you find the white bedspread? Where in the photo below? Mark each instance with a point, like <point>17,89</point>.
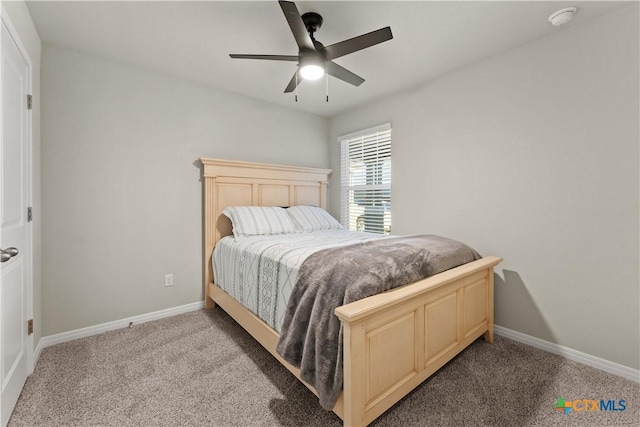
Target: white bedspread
<point>259,271</point>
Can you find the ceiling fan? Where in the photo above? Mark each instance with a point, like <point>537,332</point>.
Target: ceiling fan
<point>313,58</point>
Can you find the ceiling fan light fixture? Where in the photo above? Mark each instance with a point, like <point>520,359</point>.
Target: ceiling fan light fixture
<point>311,67</point>
<point>311,72</point>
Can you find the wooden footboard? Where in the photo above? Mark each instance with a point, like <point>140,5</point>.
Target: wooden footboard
<point>396,340</point>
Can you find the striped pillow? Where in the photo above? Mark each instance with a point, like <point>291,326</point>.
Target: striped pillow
<point>312,218</point>
<point>259,220</point>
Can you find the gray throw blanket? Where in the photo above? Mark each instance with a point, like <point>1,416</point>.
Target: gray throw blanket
<point>311,336</point>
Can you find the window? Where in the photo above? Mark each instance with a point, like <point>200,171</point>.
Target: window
<point>366,180</point>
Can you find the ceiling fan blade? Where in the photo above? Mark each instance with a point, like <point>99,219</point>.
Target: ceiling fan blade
<point>343,74</point>
<point>293,82</point>
<point>297,26</point>
<point>358,43</point>
<point>268,57</point>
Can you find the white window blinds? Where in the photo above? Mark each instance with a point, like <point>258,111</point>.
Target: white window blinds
<point>366,180</point>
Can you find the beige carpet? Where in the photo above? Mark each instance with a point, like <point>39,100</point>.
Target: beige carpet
<point>202,369</point>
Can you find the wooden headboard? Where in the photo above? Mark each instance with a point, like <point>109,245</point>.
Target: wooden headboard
<point>234,183</point>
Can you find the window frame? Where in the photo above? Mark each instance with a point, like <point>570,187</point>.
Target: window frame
<point>376,148</point>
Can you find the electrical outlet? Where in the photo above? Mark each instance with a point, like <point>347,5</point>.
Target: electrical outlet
<point>168,280</point>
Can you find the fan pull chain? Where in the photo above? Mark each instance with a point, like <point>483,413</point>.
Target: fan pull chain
<point>296,89</point>
<point>326,76</point>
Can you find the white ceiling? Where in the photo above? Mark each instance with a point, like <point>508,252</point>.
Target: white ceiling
<point>193,40</point>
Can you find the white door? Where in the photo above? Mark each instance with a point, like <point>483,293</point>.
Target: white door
<point>15,344</point>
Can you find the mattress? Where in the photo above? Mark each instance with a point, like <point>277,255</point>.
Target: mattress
<point>260,271</point>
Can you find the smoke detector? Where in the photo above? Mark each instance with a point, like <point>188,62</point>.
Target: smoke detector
<point>562,16</point>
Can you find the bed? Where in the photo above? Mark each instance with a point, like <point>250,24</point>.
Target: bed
<point>428,322</point>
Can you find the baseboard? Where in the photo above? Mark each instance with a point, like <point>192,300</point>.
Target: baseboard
<point>576,356</point>
<point>110,326</point>
<point>36,353</point>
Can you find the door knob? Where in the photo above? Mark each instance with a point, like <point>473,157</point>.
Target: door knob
<point>9,251</point>
<point>4,257</point>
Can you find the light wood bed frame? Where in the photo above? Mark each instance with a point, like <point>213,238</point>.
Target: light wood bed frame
<point>392,341</point>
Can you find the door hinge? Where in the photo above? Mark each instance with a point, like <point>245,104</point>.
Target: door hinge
<point>29,102</point>
<point>30,326</point>
<point>29,214</point>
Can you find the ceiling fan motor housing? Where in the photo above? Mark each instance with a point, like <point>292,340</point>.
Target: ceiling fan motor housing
<point>312,21</point>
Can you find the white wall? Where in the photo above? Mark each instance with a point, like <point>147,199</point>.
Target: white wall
<point>532,155</point>
<point>122,197</point>
<point>21,20</point>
